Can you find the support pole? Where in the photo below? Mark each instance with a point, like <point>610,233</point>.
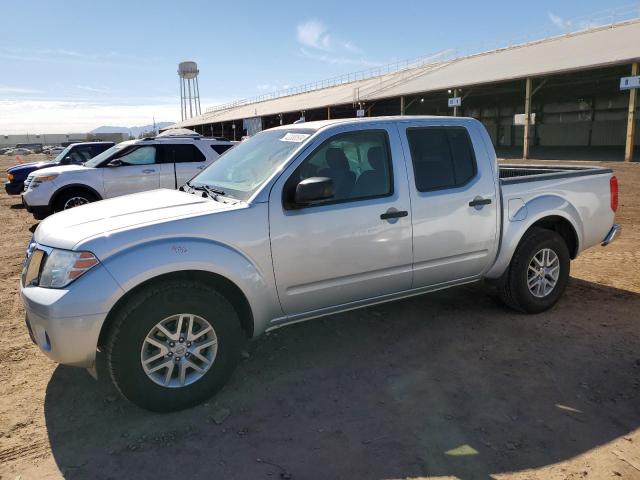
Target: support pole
<point>527,116</point>
<point>402,105</point>
<point>198,108</point>
<point>455,109</point>
<point>190,103</point>
<point>631,122</point>
<point>181,100</point>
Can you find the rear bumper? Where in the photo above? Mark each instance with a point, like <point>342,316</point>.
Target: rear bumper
<point>611,236</point>
<point>14,188</point>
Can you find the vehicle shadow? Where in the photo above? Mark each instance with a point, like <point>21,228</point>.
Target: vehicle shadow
<point>444,384</point>
<point>17,206</point>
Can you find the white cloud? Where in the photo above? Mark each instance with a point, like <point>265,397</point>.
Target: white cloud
<point>314,34</point>
<point>557,20</point>
<point>64,116</point>
<point>73,57</point>
<point>269,87</point>
<point>317,43</point>
<point>339,60</point>
<point>88,88</point>
<point>4,90</point>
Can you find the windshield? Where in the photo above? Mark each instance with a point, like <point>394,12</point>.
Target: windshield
<point>244,168</point>
<point>62,154</point>
<point>98,159</point>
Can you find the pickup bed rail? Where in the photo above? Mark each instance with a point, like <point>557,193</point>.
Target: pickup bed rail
<point>512,173</point>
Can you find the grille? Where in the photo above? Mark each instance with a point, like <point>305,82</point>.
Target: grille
<point>27,182</point>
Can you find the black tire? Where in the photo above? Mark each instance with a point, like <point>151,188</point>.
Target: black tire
<point>512,287</point>
<point>65,196</point>
<point>136,319</point>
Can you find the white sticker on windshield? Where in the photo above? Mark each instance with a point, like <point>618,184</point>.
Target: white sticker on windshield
<point>295,137</point>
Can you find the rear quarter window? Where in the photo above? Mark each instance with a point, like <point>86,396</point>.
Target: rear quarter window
<point>220,149</point>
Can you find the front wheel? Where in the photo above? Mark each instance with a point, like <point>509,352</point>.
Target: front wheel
<point>173,345</point>
<point>73,198</point>
<point>538,273</point>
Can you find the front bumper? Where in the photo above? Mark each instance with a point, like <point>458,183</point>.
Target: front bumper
<point>40,212</point>
<point>13,188</point>
<point>611,236</point>
<point>66,323</point>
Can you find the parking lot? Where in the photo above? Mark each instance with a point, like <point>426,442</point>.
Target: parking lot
<point>446,385</point>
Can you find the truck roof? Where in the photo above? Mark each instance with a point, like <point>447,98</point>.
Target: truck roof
<point>318,124</point>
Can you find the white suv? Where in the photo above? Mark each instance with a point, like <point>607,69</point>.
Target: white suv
<point>165,161</point>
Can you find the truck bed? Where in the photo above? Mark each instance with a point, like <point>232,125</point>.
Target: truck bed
<point>513,173</point>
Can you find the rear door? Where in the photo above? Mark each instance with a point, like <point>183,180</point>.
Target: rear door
<point>354,246</point>
<point>454,204</point>
<point>188,160</point>
<point>137,171</point>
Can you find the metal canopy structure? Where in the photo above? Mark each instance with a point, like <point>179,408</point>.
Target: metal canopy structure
<point>567,83</point>
<point>598,47</point>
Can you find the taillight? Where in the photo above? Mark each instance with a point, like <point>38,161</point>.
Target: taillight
<point>613,188</point>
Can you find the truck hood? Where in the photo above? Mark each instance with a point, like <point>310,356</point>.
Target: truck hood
<point>58,169</point>
<point>30,167</point>
<point>70,227</point>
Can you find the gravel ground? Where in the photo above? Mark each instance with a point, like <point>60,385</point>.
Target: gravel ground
<point>446,385</point>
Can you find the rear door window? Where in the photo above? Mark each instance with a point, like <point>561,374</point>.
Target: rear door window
<point>442,157</point>
<point>182,153</point>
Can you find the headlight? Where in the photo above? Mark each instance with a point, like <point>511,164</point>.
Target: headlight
<point>10,177</point>
<point>63,266</point>
<point>44,178</point>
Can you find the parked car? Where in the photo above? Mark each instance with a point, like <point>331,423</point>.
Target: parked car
<point>19,151</point>
<point>294,223</point>
<point>128,167</point>
<point>77,153</point>
<point>3,151</point>
<point>33,147</point>
<point>58,150</point>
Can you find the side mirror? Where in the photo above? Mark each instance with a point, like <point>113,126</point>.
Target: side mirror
<point>312,190</point>
<point>115,163</point>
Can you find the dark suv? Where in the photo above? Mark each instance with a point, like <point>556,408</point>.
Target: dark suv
<point>75,153</point>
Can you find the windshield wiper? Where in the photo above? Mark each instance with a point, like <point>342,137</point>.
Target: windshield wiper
<point>213,193</point>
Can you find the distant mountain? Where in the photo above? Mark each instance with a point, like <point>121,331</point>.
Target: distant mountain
<point>133,131</point>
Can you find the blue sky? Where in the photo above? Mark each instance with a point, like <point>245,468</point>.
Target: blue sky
<point>74,65</point>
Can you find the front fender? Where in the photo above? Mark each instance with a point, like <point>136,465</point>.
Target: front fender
<point>142,262</point>
<point>524,218</point>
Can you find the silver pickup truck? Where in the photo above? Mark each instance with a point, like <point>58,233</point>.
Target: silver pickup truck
<point>298,222</point>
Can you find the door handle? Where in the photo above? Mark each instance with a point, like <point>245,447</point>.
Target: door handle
<point>201,167</point>
<point>393,214</point>
<point>148,170</point>
<point>479,202</point>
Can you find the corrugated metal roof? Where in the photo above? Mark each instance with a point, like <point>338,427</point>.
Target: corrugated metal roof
<point>611,45</point>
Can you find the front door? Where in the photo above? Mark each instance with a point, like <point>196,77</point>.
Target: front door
<point>136,171</point>
<point>354,246</point>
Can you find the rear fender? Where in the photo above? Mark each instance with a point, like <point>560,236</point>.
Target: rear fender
<point>524,218</point>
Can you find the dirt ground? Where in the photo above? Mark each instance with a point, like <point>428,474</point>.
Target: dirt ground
<point>446,385</point>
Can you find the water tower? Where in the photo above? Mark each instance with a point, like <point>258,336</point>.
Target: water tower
<point>189,90</point>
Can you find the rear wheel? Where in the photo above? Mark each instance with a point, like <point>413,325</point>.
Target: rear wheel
<point>73,198</point>
<point>174,345</point>
<point>538,273</point>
